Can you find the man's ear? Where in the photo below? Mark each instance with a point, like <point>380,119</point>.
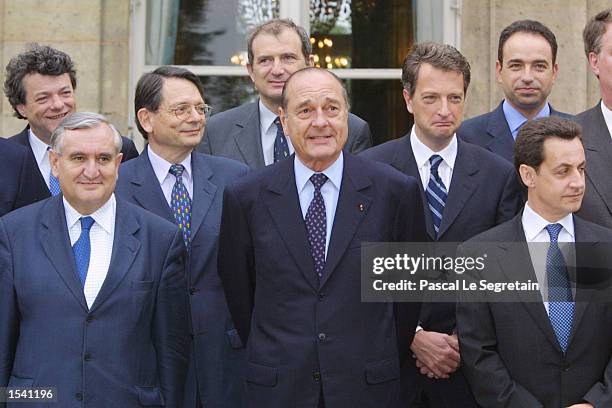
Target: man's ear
<point>407,99</point>
<point>593,63</point>
<point>144,118</point>
<point>527,174</point>
<point>249,68</point>
<point>21,109</point>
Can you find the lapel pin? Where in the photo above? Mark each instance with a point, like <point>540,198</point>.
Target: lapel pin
<point>360,206</point>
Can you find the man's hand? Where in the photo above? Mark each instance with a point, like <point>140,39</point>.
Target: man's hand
<point>436,353</point>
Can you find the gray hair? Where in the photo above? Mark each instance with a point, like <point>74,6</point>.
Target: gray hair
<point>82,120</point>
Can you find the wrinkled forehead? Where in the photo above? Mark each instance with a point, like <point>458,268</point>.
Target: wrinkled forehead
<point>315,87</point>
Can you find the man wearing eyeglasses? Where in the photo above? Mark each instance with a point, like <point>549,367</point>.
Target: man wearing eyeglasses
<point>186,187</point>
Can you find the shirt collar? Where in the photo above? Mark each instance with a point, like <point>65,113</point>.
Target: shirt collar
<point>607,114</point>
<point>422,153</point>
<point>161,166</point>
<point>533,223</point>
<point>333,172</point>
<point>39,148</point>
<point>103,216</point>
<point>266,116</point>
<point>516,119</point>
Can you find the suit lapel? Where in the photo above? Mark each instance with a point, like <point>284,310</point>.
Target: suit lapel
<point>204,192</point>
<point>125,248</point>
<point>405,162</point>
<point>35,176</point>
<point>462,186</point>
<point>353,204</point>
<point>146,190</point>
<point>283,204</point>
<point>57,248</point>
<point>518,266</point>
<point>502,141</point>
<point>597,142</point>
<point>247,135</point>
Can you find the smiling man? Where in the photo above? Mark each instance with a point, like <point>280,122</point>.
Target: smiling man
<point>465,190</point>
<point>92,288</point>
<point>556,352</point>
<point>289,260</point>
<point>526,69</point>
<point>186,187</point>
<point>40,86</point>
<point>252,133</point>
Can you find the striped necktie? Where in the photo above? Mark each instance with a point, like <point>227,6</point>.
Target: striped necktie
<point>436,193</point>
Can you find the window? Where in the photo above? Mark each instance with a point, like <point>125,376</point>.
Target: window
<point>363,41</point>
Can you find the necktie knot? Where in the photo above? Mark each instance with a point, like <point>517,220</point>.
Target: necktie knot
<point>86,223</point>
<point>278,124</point>
<point>435,161</point>
<point>317,180</point>
<point>553,232</point>
<point>177,170</point>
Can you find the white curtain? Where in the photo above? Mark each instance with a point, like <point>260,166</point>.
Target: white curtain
<point>162,21</point>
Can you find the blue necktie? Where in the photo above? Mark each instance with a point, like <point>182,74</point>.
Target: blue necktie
<point>281,147</point>
<point>316,224</point>
<point>82,249</point>
<point>181,204</point>
<point>560,304</point>
<point>436,193</point>
<point>54,185</point>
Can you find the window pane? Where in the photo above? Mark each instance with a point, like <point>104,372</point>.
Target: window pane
<point>224,92</point>
<point>203,32</point>
<point>361,33</point>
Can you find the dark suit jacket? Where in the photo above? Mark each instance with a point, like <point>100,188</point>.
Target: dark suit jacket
<point>491,131</point>
<point>219,357</point>
<point>510,353</point>
<point>131,348</point>
<point>484,191</point>
<point>15,189</point>
<point>236,134</point>
<point>597,203</point>
<point>307,337</point>
<point>37,181</point>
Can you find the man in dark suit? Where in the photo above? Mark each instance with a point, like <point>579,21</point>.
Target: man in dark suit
<point>251,133</point>
<point>170,108</point>
<point>526,69</point>
<point>479,191</point>
<point>289,260</point>
<point>15,190</point>
<point>92,288</point>
<point>40,85</point>
<point>554,349</point>
<point>597,123</point>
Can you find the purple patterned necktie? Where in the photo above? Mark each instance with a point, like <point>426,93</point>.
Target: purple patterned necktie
<point>181,204</point>
<point>281,148</point>
<point>316,224</point>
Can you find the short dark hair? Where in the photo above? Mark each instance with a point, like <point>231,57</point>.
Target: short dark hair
<point>275,27</point>
<point>284,99</point>
<point>594,30</point>
<point>529,145</point>
<point>149,89</point>
<point>40,59</point>
<point>440,56</point>
<point>527,26</point>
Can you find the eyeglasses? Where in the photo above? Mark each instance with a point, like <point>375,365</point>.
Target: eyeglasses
<point>182,112</point>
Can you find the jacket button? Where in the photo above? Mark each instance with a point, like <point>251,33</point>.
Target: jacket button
<point>316,376</point>
<point>87,357</point>
<point>321,296</point>
<point>78,396</point>
<point>322,336</point>
<point>193,291</point>
<point>89,318</point>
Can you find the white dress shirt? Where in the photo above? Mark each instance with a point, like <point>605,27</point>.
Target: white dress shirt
<point>101,237</point>
<point>268,133</point>
<point>607,114</point>
<point>41,153</point>
<point>330,190</point>
<point>422,154</point>
<point>536,234</point>
<point>161,168</point>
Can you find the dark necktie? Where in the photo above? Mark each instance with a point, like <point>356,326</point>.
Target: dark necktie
<point>180,202</point>
<point>54,185</point>
<point>281,148</point>
<point>316,224</point>
<point>560,304</point>
<point>436,193</point>
<point>82,249</point>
